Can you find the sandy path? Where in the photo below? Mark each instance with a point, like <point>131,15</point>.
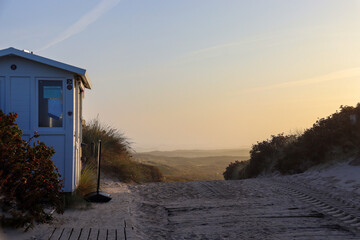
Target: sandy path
<point>248,209</point>
<point>315,205</point>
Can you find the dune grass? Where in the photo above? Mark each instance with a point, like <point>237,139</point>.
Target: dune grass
<point>87,181</point>
<point>116,158</point>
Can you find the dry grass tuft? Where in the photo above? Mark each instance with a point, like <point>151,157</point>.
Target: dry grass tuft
<point>87,182</point>
<point>116,159</point>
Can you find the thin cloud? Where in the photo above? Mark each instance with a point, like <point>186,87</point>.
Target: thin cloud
<point>83,22</point>
<point>266,40</point>
<point>229,45</point>
<point>338,75</point>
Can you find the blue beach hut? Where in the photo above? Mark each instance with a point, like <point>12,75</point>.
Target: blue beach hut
<point>47,95</point>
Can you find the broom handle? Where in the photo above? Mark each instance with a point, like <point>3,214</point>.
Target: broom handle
<point>99,160</point>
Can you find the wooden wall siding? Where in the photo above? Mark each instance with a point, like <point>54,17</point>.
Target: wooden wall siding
<point>19,93</point>
<point>2,93</point>
<point>20,102</point>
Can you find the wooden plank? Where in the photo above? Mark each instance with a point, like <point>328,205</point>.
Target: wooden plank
<point>111,234</point>
<point>94,234</point>
<point>84,234</point>
<point>57,234</point>
<point>127,233</point>
<point>51,233</point>
<point>75,234</point>
<point>66,233</point>
<point>102,234</point>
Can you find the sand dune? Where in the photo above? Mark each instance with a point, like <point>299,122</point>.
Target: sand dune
<point>320,204</point>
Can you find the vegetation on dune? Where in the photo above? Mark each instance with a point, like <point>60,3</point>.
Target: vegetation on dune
<point>334,138</point>
<point>87,184</point>
<point>116,159</point>
<point>29,181</point>
<point>88,180</point>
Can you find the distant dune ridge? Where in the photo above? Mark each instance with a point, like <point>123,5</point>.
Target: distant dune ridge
<point>235,152</point>
<point>192,165</point>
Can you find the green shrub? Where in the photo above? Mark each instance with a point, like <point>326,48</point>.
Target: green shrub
<point>29,181</point>
<point>328,138</point>
<point>293,161</point>
<point>265,154</point>
<point>339,132</point>
<point>234,169</point>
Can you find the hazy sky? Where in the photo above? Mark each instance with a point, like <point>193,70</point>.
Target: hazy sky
<point>175,74</point>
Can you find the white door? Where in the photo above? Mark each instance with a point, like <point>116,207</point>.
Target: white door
<point>50,122</point>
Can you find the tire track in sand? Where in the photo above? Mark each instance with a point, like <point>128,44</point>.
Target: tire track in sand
<point>345,211</point>
<point>254,208</point>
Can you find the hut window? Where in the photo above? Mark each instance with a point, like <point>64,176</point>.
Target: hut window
<point>50,103</point>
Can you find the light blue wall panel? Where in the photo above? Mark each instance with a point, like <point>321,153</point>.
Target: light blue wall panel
<point>20,101</point>
<point>2,93</point>
<point>58,143</point>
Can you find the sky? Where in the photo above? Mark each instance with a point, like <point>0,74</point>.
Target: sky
<point>204,74</point>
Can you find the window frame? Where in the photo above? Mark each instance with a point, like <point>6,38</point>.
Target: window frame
<point>37,96</point>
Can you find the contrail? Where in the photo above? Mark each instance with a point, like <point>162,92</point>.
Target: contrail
<point>338,75</point>
<point>83,22</point>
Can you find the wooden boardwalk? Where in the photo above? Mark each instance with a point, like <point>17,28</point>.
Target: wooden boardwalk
<point>124,233</point>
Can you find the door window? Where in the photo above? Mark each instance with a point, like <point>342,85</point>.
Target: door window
<point>50,103</point>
